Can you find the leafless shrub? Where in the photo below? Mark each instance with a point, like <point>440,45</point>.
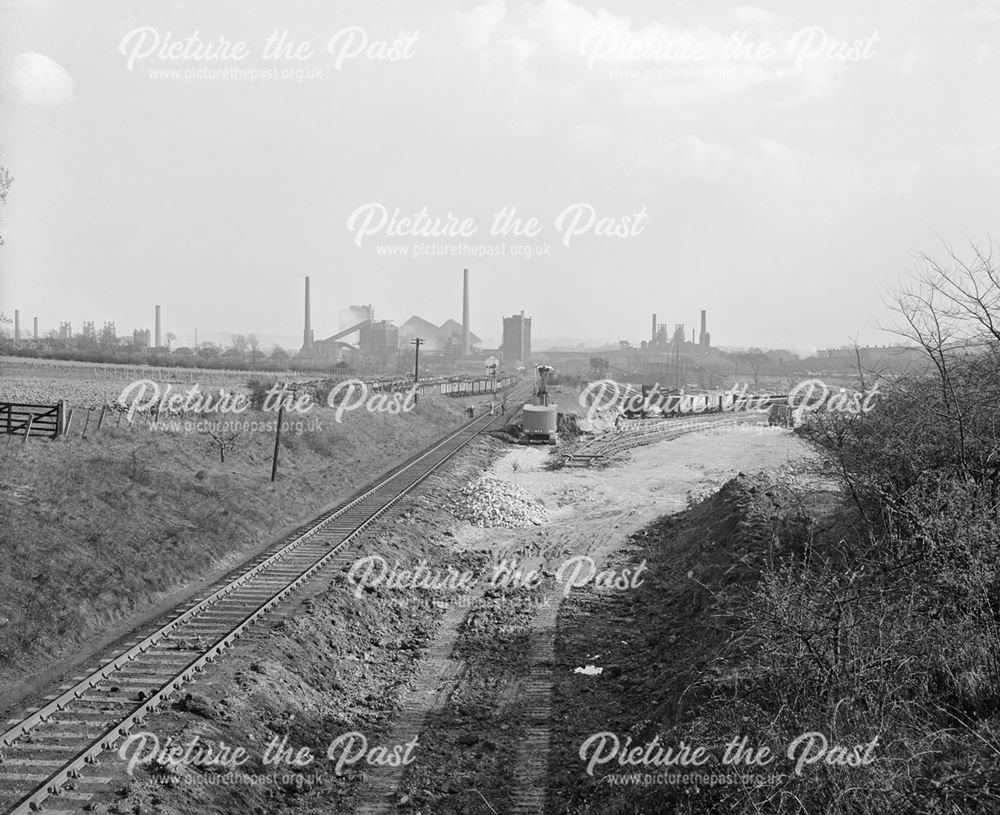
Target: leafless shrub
<point>894,630</point>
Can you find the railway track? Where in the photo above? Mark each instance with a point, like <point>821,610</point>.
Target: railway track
<point>641,432</point>
<point>55,743</point>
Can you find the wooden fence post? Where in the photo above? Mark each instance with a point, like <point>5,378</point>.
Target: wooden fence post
<point>100,419</point>
<point>69,422</point>
<point>86,424</point>
<point>60,417</point>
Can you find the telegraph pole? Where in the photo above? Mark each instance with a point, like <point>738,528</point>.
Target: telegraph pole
<point>417,342</point>
<point>277,442</point>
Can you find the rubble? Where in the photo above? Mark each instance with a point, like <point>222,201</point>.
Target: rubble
<point>493,502</point>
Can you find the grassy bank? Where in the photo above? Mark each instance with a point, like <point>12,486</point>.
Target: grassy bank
<point>95,531</point>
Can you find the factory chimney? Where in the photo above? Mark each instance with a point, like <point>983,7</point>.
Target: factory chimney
<point>704,339</point>
<point>157,332</point>
<point>652,336</point>
<point>307,332</point>
<point>466,342</point>
<point>17,325</point>
<point>36,328</point>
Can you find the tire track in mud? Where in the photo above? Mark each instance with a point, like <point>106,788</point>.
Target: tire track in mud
<point>534,695</point>
<point>429,711</point>
<point>534,698</point>
<point>459,679</point>
<point>436,678</point>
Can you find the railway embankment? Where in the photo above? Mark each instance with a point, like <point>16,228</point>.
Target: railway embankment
<point>99,533</point>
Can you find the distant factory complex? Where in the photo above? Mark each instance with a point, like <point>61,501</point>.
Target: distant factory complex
<point>659,340</point>
<point>362,340</point>
<point>357,339</point>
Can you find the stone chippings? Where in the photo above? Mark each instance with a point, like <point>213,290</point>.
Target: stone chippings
<point>491,502</point>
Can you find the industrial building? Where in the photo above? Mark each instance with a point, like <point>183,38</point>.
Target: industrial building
<point>678,339</point>
<point>451,338</point>
<point>378,338</point>
<point>515,350</point>
<point>446,339</point>
<point>18,336</point>
<point>363,339</point>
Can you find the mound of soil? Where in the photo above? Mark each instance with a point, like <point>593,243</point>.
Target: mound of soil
<point>655,644</point>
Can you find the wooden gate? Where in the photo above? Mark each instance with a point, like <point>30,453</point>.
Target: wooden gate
<point>31,420</point>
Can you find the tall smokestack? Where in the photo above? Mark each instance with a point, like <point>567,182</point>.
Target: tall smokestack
<point>703,320</point>
<point>17,325</point>
<point>36,328</point>
<point>652,336</point>
<point>157,332</point>
<point>307,332</point>
<point>466,340</point>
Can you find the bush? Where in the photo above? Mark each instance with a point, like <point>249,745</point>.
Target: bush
<point>889,624</point>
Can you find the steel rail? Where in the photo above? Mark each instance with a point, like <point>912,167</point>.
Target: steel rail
<point>648,431</point>
<point>32,801</point>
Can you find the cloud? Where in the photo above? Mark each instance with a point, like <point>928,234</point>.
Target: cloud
<point>692,156</point>
<point>38,80</point>
<point>986,11</point>
<point>591,135</point>
<point>547,48</point>
<point>476,28</point>
<point>754,14</point>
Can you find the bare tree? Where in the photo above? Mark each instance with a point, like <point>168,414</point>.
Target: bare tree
<point>950,310</point>
<point>240,345</point>
<point>171,336</point>
<point>254,345</point>
<point>223,439</point>
<point>753,358</point>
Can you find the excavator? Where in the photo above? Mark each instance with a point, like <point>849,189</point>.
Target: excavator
<point>540,421</point>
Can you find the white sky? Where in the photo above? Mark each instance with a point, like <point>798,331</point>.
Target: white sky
<point>786,205</point>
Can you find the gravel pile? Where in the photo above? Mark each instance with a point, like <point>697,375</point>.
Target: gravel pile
<point>491,501</point>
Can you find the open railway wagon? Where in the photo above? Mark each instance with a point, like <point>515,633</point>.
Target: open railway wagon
<point>540,420</point>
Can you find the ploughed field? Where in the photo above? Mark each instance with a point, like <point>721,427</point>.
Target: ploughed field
<point>92,386</point>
